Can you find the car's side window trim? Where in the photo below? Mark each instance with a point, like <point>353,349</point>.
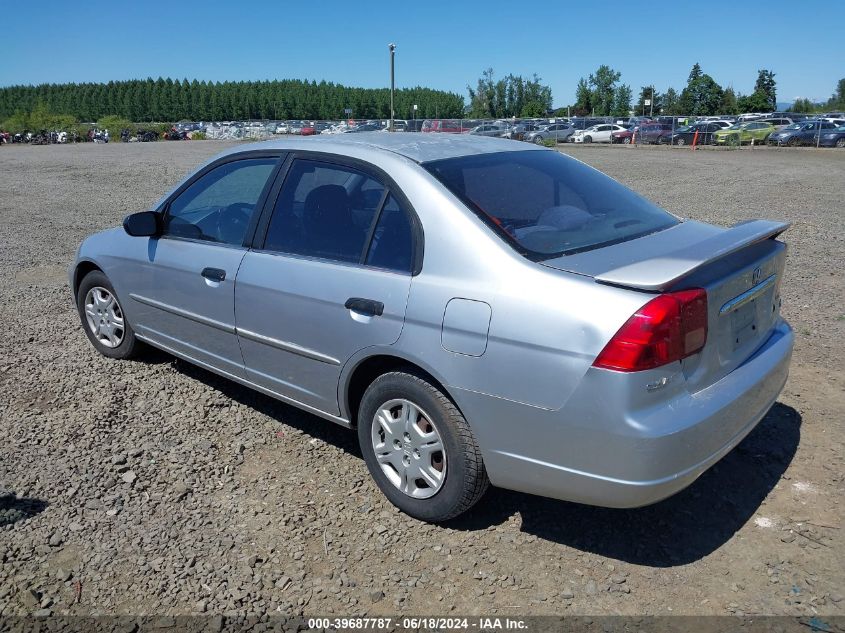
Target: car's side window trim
<point>368,243</point>
<point>368,169</point>
<point>279,155</point>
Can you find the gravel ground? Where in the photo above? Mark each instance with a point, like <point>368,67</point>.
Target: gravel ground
<point>156,487</point>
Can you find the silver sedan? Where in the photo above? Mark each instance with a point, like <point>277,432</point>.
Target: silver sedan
<point>559,132</point>
<point>480,310</point>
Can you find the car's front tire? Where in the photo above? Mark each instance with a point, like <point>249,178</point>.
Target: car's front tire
<point>538,140</point>
<point>419,448</point>
<point>103,318</point>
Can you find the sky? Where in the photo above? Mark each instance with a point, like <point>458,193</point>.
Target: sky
<point>442,45</point>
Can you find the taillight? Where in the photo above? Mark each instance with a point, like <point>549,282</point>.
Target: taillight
<point>670,327</point>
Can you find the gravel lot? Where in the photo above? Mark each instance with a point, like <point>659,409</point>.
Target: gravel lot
<point>156,487</point>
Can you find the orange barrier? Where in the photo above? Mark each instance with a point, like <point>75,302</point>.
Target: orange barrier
<point>695,139</point>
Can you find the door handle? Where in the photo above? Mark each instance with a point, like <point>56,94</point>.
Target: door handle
<point>214,274</point>
<point>365,306</point>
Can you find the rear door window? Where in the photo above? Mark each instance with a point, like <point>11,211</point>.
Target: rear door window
<point>324,210</point>
<point>339,213</point>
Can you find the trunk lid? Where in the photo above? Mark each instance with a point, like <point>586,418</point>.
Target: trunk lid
<point>740,268</point>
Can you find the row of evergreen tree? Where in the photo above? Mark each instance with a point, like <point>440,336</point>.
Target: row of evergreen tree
<point>174,100</point>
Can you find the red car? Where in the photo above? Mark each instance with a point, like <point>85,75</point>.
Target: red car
<point>451,126</point>
<point>646,131</point>
<point>623,136</point>
<point>308,130</point>
<point>650,133</point>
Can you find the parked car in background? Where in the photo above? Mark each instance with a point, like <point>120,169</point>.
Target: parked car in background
<point>778,122</point>
<point>488,129</point>
<point>650,133</point>
<point>584,123</point>
<point>449,126</point>
<point>517,132</point>
<point>685,135</point>
<point>795,116</point>
<point>282,128</point>
<point>741,133</point>
<point>366,127</point>
<point>674,121</point>
<point>479,311</point>
<point>833,138</point>
<point>624,136</point>
<point>722,123</point>
<point>559,132</point>
<point>596,134</point>
<point>636,121</point>
<point>803,133</point>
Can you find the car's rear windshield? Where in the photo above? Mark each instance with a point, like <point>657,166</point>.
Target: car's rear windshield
<point>546,204</point>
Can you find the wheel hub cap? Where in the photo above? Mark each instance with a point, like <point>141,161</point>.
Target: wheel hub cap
<point>104,316</point>
<point>409,449</point>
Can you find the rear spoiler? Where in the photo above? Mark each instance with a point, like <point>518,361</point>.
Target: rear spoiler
<point>659,273</point>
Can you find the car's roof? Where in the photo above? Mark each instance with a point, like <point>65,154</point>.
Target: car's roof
<point>419,147</point>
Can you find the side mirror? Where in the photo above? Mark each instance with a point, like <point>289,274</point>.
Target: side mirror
<point>143,224</point>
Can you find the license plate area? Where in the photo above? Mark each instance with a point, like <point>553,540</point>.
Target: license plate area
<point>744,326</point>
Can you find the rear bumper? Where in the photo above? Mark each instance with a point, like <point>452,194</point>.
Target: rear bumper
<point>604,448</point>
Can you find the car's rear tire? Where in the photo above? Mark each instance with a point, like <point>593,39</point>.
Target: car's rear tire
<point>419,448</point>
<point>680,141</point>
<point>103,318</point>
<point>627,140</point>
<point>840,143</point>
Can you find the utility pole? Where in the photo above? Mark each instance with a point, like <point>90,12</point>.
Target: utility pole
<point>392,48</point>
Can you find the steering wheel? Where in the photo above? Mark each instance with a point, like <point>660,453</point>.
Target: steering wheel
<point>232,222</point>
